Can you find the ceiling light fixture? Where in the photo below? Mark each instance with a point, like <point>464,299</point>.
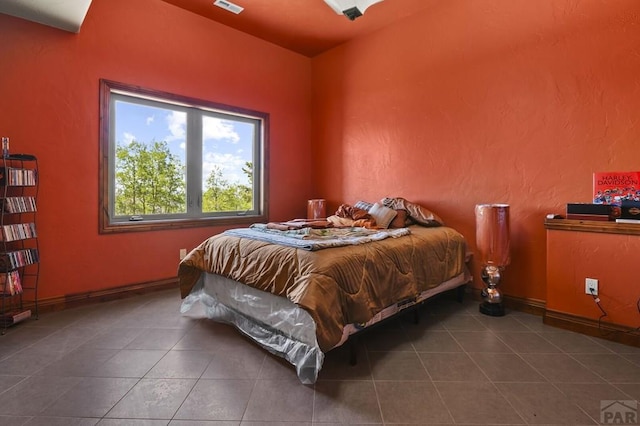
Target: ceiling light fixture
<point>227,5</point>
<point>351,8</point>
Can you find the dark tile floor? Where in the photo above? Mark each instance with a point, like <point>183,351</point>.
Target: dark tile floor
<point>138,361</point>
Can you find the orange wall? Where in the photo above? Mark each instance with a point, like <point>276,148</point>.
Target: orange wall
<point>609,258</point>
<point>510,101</point>
<point>49,107</point>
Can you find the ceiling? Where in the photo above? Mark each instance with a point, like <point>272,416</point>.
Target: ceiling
<point>308,27</point>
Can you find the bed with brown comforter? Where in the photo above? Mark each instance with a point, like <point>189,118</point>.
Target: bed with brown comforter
<point>335,287</point>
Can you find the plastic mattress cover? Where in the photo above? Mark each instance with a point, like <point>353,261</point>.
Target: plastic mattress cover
<point>274,322</point>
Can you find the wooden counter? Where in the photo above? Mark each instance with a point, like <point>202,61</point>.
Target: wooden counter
<point>593,226</point>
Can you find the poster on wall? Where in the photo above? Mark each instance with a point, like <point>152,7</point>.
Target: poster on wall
<point>615,187</point>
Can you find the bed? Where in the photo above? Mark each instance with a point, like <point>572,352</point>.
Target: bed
<point>300,301</point>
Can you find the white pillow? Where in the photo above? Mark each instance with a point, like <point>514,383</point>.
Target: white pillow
<point>383,215</point>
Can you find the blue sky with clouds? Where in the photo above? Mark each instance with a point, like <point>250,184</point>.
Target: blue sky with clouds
<point>227,144</point>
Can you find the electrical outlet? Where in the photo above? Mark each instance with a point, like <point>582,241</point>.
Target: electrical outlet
<point>183,253</point>
<point>591,286</point>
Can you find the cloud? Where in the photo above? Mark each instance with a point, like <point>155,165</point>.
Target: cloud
<point>128,138</point>
<point>212,128</point>
<point>177,123</point>
<point>150,120</point>
<point>230,165</point>
<point>216,128</point>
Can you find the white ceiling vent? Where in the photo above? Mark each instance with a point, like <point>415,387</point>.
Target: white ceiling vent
<point>227,5</point>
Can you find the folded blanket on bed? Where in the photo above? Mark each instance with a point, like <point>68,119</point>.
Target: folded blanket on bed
<point>300,223</point>
<point>316,239</point>
<point>348,215</point>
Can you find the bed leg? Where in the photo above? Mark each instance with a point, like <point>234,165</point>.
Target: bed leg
<point>460,293</point>
<point>353,352</point>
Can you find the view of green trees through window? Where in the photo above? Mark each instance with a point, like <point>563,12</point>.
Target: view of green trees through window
<point>220,195</point>
<point>151,180</point>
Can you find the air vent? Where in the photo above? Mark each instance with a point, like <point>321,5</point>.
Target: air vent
<point>227,5</point>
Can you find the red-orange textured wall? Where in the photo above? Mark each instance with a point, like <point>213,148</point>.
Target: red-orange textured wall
<point>49,107</point>
<point>507,101</point>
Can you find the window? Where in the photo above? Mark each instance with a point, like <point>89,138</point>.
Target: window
<point>169,161</point>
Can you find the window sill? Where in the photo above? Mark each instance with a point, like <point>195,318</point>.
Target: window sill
<point>162,225</point>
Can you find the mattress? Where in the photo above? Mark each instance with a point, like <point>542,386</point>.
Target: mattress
<point>279,325</point>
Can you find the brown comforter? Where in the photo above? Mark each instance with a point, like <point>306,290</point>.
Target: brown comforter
<point>339,285</point>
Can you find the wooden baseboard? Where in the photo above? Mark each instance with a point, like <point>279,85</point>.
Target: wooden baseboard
<point>531,306</point>
<point>613,332</point>
<point>80,299</point>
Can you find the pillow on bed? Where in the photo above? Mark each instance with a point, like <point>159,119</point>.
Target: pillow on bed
<point>424,216</point>
<point>364,205</point>
<point>352,212</point>
<point>400,221</point>
<point>383,215</point>
<point>417,213</point>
